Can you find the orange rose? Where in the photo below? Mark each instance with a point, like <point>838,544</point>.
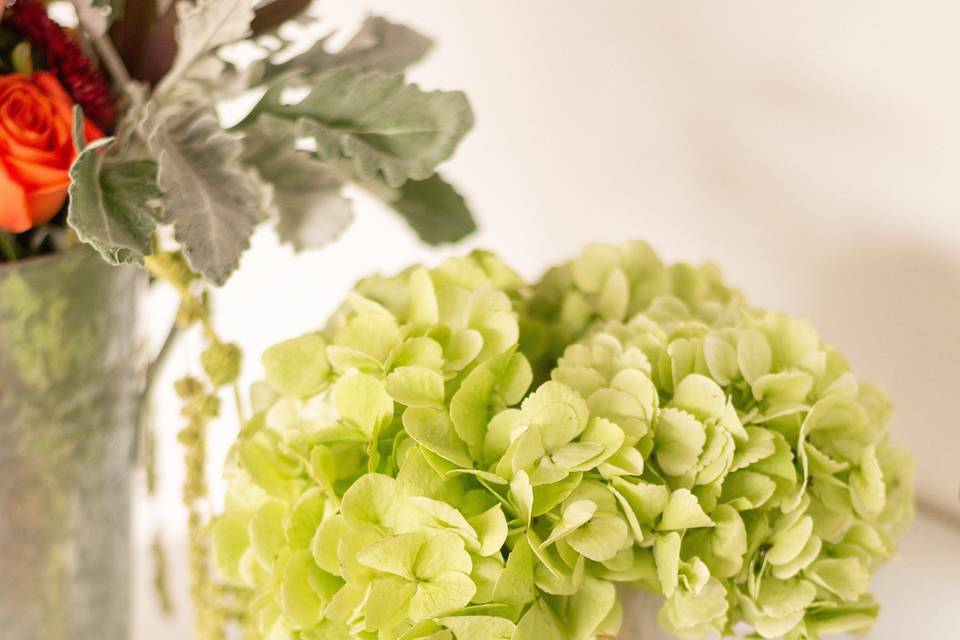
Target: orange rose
<point>36,148</point>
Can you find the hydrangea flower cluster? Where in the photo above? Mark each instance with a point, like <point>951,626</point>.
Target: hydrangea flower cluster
<point>407,476</point>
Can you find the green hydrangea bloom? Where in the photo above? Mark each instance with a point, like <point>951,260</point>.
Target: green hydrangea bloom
<point>408,474</point>
<point>616,283</point>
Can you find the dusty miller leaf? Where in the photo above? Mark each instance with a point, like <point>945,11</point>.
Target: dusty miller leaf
<point>383,45</point>
<point>435,210</point>
<point>305,193</point>
<point>201,28</point>
<point>110,200</point>
<point>379,44</point>
<point>211,203</point>
<point>377,121</point>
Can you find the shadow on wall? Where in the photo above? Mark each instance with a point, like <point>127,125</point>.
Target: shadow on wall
<point>900,326</point>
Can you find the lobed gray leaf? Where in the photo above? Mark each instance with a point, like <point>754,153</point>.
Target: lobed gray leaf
<point>379,44</point>
<point>305,193</point>
<point>211,203</point>
<point>111,199</point>
<point>377,121</point>
<point>435,210</point>
<point>202,27</point>
<point>111,203</point>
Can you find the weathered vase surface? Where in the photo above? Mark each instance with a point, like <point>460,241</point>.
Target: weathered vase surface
<point>70,382</point>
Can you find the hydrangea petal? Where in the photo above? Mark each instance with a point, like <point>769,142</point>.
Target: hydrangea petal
<point>726,542</point>
<point>622,408</point>
<point>699,396</point>
<point>683,511</point>
<point>372,501</point>
<point>574,515</point>
<point>297,367</point>
<point>515,584</point>
<point>305,518</point>
<point>521,495</point>
<point>388,603</point>
<point>422,307</point>
<point>759,445</point>
<point>267,535</point>
<point>866,483</point>
<point>679,441</point>
<point>362,401</point>
<point>604,432</point>
<point>416,387</point>
<point>787,544</point>
<point>648,500</point>
<point>807,555</point>
<point>559,410</point>
<point>374,335</point>
<point>721,359</point>
<point>614,297</point>
<point>432,429</point>
<point>230,543</point>
<point>395,554</point>
<point>537,623</point>
<point>782,388</point>
<point>491,528</point>
<point>779,598</point>
<point>462,348</point>
<point>326,543</point>
<point>447,517</point>
<point>417,352</point>
<point>754,356</point>
<point>442,594</point>
<point>441,553</point>
<point>666,553</point>
<point>479,627</point>
<point>592,266</point>
<point>589,607</point>
<point>578,456</point>
<point>690,614</point>
<point>745,490</point>
<point>548,496</point>
<point>846,577</point>
<point>300,602</point>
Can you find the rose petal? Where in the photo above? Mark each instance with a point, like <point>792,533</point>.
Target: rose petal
<point>36,148</point>
<point>33,175</point>
<point>46,202</point>
<point>15,214</point>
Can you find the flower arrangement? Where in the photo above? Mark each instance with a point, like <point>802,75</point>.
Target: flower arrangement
<point>459,455</point>
<point>115,164</point>
<point>113,135</point>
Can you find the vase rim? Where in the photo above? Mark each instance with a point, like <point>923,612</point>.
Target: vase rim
<point>42,260</point>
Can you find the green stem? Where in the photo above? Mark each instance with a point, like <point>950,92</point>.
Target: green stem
<point>153,369</point>
<point>8,246</point>
<point>104,47</point>
<point>237,398</point>
<point>162,355</point>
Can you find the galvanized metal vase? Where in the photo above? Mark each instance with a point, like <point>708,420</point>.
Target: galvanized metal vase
<point>70,382</point>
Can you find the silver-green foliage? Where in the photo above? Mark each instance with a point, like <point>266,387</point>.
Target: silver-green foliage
<point>379,44</point>
<point>112,201</point>
<point>305,190</point>
<point>406,477</point>
<point>208,198</point>
<point>377,122</point>
<point>178,164</point>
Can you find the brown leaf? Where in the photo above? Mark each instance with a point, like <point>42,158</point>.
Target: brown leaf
<point>270,16</point>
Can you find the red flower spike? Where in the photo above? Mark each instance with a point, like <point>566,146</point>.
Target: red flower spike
<point>76,72</point>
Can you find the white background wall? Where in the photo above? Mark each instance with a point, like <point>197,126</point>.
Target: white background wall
<point>811,149</point>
